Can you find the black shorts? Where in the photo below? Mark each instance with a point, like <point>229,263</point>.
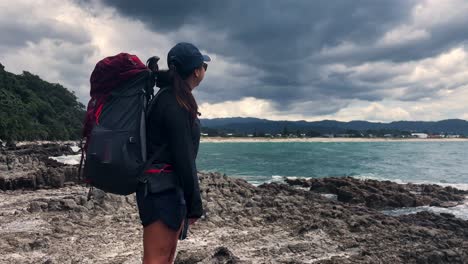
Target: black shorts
<point>167,206</point>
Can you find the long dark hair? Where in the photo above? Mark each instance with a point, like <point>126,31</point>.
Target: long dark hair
<point>181,89</point>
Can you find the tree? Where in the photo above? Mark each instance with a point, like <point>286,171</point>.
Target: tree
<point>313,133</point>
<point>285,131</point>
<point>33,109</point>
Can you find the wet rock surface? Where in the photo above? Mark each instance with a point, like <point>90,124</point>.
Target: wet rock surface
<point>382,194</point>
<point>271,223</point>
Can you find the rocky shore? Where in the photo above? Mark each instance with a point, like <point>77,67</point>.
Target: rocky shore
<point>29,167</point>
<point>382,194</point>
<point>331,220</point>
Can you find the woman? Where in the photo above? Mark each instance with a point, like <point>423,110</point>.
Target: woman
<point>172,123</point>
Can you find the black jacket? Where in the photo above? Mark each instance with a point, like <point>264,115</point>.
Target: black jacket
<point>169,123</point>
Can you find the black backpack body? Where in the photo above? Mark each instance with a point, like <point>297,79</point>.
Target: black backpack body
<point>115,150</point>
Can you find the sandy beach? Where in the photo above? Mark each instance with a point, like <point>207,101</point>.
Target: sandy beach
<point>320,139</point>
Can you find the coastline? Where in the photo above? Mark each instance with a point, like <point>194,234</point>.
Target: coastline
<point>46,217</point>
<point>319,139</point>
<point>264,139</point>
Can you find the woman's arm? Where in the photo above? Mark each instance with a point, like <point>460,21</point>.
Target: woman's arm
<point>181,149</point>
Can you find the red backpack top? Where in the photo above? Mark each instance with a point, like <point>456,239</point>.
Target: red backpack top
<point>109,73</point>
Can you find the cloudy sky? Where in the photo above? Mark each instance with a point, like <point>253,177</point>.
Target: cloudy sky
<point>370,60</point>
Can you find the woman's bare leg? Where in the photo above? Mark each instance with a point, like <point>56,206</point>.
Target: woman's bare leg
<point>159,243</point>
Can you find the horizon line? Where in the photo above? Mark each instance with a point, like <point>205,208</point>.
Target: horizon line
<point>282,120</point>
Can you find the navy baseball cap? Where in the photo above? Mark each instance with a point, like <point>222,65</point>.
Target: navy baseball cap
<point>186,57</point>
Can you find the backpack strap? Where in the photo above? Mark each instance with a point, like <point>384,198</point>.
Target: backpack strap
<point>153,101</point>
<point>142,177</point>
<point>80,168</point>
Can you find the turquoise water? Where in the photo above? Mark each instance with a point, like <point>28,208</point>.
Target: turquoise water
<point>432,162</point>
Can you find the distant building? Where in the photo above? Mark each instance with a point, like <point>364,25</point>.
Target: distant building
<point>204,134</point>
<point>250,135</point>
<point>229,134</point>
<point>419,135</point>
<point>453,136</point>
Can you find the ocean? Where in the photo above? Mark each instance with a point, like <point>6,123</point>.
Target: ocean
<point>418,162</point>
<point>444,163</point>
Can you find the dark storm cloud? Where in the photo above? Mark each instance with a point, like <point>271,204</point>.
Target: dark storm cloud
<point>285,43</point>
<point>273,30</point>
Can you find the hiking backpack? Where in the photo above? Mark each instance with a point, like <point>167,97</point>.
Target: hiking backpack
<point>114,131</point>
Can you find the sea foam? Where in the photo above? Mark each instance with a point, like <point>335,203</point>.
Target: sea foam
<point>68,159</point>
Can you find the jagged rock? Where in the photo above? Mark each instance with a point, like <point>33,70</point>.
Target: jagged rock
<point>190,257</point>
<point>382,194</point>
<point>29,167</point>
<point>222,255</point>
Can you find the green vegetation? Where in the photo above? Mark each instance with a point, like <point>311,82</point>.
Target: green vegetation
<point>33,109</point>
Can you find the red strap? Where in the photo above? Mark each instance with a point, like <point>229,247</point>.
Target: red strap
<point>165,168</point>
<point>98,113</point>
